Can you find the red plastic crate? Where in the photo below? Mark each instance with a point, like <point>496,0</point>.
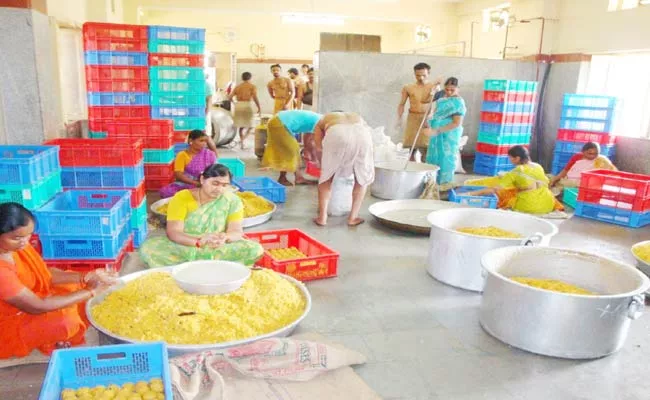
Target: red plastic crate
<point>312,169</point>
<point>116,72</point>
<point>118,86</point>
<point>154,133</point>
<point>91,265</point>
<point>180,136</point>
<point>118,112</point>
<point>617,200</point>
<point>506,118</point>
<point>153,184</point>
<point>137,194</point>
<point>98,152</point>
<point>113,44</point>
<point>175,60</point>
<point>571,135</point>
<point>616,182</point>
<point>321,262</point>
<point>159,171</point>
<point>493,149</point>
<point>510,97</point>
<point>97,30</point>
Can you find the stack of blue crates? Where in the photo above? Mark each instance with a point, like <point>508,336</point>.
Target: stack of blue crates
<point>31,175</point>
<point>85,224</point>
<point>584,118</point>
<point>507,115</point>
<point>177,92</point>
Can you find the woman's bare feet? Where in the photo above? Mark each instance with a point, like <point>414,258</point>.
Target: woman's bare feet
<point>285,182</point>
<point>356,221</point>
<point>318,221</point>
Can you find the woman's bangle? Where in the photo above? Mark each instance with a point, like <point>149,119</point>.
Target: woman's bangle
<point>198,243</point>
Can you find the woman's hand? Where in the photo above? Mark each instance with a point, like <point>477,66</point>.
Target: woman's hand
<point>213,240</point>
<point>429,132</point>
<point>100,277</point>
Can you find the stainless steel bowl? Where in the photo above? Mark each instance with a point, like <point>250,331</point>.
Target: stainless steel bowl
<point>559,324</point>
<point>644,266</point>
<point>394,182</point>
<point>180,349</point>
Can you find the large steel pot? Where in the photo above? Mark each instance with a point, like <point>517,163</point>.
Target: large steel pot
<point>455,257</point>
<point>559,324</point>
<point>394,182</point>
<point>223,130</point>
<point>641,264</point>
<point>174,350</point>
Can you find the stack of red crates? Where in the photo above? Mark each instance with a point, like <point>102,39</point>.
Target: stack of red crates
<point>117,75</point>
<point>156,135</point>
<point>616,197</point>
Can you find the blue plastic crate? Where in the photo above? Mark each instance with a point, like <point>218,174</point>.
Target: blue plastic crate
<point>166,87</point>
<point>23,165</point>
<point>556,168</point>
<point>33,195</point>
<point>590,113</point>
<point>117,99</point>
<point>178,147</point>
<point>490,165</point>
<point>236,166</point>
<point>115,58</point>
<point>159,156</point>
<point>189,123</point>
<point>86,247</point>
<point>499,139</point>
<point>160,32</point>
<point>617,216</point>
<point>102,177</point>
<point>176,73</point>
<point>484,201</point>
<point>140,235</point>
<point>169,112</point>
<point>84,212</point>
<point>138,215</point>
<point>503,85</point>
<point>97,135</point>
<point>515,129</point>
<point>496,106</point>
<point>262,186</point>
<point>177,46</point>
<point>106,365</point>
<point>586,125</point>
<point>570,197</point>
<point>591,101</point>
<point>576,147</point>
<point>179,100</point>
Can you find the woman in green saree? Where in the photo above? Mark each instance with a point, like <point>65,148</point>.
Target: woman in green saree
<point>203,223</point>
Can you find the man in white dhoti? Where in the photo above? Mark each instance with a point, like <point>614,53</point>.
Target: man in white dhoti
<point>344,144</point>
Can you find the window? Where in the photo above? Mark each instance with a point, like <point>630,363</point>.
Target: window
<point>625,77</point>
<point>617,5</point>
<point>496,18</point>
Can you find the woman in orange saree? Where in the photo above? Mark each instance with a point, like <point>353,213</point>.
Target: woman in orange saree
<point>40,308</point>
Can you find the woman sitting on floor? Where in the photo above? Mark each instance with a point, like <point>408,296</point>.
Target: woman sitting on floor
<point>40,308</point>
<point>524,188</point>
<point>589,159</point>
<point>203,223</point>
<point>190,163</point>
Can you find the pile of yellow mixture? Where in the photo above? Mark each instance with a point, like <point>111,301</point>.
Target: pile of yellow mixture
<point>553,285</point>
<point>491,231</point>
<point>254,205</point>
<point>153,308</point>
<point>643,252</point>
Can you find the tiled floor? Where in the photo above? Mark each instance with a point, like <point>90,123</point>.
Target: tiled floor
<point>422,337</point>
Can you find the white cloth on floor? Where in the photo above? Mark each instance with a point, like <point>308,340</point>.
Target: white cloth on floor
<point>347,150</point>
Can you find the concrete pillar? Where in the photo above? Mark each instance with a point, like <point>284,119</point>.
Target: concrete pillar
<point>30,107</point>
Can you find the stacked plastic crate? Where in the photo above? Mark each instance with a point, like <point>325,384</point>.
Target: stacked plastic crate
<point>104,165</point>
<point>507,117</point>
<point>31,175</point>
<point>615,197</point>
<point>117,77</point>
<point>585,118</point>
<point>178,91</point>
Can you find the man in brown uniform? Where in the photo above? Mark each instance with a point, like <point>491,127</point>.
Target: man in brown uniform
<point>281,90</point>
<point>419,95</point>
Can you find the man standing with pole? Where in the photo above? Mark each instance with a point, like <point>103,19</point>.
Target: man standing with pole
<point>419,95</point>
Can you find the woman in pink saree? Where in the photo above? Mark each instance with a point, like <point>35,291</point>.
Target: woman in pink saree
<point>589,159</point>
<point>190,163</point>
